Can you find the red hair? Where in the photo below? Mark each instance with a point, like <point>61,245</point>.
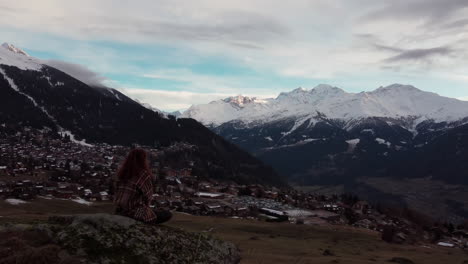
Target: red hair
<point>134,165</point>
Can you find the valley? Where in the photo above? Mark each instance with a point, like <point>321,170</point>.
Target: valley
<point>328,137</point>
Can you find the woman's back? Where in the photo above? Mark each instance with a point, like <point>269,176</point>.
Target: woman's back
<point>134,190</point>
<point>133,198</point>
<point>134,187</point>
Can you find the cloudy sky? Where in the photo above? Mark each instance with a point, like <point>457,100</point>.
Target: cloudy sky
<point>174,53</point>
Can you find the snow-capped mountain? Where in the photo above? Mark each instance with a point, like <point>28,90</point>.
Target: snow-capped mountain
<point>33,94</point>
<point>395,101</point>
<point>327,135</point>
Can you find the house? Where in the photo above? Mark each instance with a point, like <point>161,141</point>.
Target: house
<point>170,172</point>
<point>281,216</point>
<point>4,191</point>
<point>176,195</point>
<point>48,191</point>
<point>271,194</point>
<point>64,194</point>
<point>210,195</point>
<point>175,203</point>
<point>172,180</point>
<point>87,193</point>
<point>104,196</point>
<point>361,207</point>
<point>205,186</point>
<point>161,203</point>
<point>331,207</point>
<point>191,209</point>
<point>213,209</point>
<point>242,211</point>
<point>445,244</point>
<point>229,210</point>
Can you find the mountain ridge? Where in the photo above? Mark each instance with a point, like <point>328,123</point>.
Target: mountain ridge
<point>40,96</point>
<point>393,101</point>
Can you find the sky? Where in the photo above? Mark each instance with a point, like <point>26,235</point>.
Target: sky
<point>175,53</point>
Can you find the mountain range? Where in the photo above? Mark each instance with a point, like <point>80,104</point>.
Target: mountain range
<point>364,142</point>
<point>37,95</point>
<point>398,102</point>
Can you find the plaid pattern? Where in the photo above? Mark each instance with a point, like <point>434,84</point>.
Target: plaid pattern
<point>133,198</point>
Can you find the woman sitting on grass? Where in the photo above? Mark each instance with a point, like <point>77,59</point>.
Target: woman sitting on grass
<point>134,190</point>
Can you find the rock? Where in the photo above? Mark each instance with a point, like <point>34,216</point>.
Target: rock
<point>104,238</point>
<point>328,252</point>
<point>400,237</point>
<point>401,260</point>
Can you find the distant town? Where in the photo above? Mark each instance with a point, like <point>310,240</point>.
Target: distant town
<point>42,164</point>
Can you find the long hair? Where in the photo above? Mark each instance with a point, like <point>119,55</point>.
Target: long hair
<point>134,165</point>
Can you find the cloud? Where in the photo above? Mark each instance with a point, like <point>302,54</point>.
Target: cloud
<point>176,100</point>
<point>419,54</point>
<point>428,10</point>
<point>387,48</point>
<point>157,21</point>
<point>79,72</point>
<point>194,88</point>
<point>210,83</point>
<point>284,41</point>
<point>461,23</point>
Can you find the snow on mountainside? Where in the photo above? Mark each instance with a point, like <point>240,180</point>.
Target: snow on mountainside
<point>13,56</point>
<point>395,101</point>
<point>38,96</point>
<point>14,49</point>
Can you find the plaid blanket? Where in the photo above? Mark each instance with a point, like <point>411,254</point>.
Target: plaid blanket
<point>133,198</point>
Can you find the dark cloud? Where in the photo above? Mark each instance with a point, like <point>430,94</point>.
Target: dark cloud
<point>365,36</point>
<point>420,54</point>
<point>79,72</point>
<point>387,48</point>
<point>457,24</point>
<point>428,10</point>
<point>246,45</point>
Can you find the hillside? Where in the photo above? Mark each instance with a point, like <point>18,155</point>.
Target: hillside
<point>105,238</point>
<point>36,95</point>
<point>262,242</point>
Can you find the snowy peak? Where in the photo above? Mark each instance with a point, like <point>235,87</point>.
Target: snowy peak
<point>326,89</point>
<point>395,101</point>
<point>398,88</point>
<point>239,100</point>
<point>13,56</point>
<point>318,92</point>
<point>294,93</point>
<point>14,49</point>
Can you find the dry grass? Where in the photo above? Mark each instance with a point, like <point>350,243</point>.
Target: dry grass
<point>262,242</point>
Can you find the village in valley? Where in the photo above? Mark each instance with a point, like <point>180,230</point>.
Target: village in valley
<point>40,164</point>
